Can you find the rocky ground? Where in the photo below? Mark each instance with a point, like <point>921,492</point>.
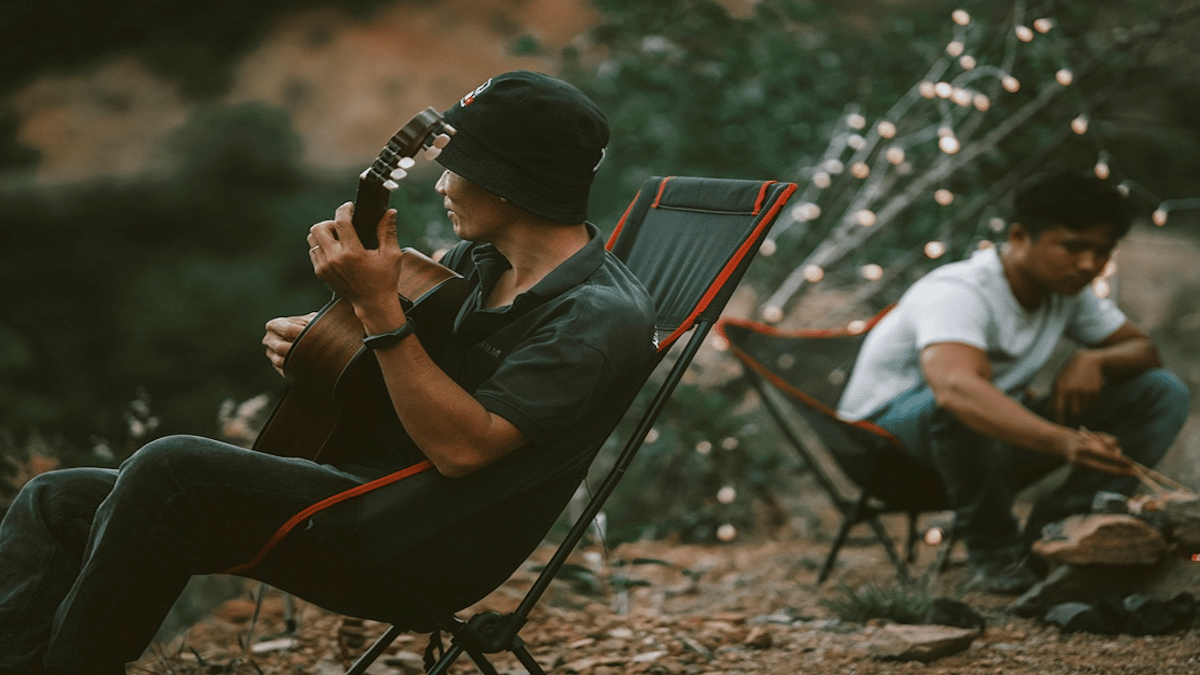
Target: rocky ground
<point>743,607</point>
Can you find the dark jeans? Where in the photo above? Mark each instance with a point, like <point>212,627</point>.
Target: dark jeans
<point>92,559</point>
<point>982,475</point>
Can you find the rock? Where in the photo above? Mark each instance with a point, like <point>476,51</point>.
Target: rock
<point>1104,538</point>
<point>1075,617</point>
<point>924,643</point>
<point>759,637</point>
<point>1185,523</point>
<point>1145,615</point>
<point>1175,575</point>
<point>947,612</point>
<point>1092,584</point>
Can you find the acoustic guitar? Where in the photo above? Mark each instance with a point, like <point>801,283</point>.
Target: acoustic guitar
<point>335,396</point>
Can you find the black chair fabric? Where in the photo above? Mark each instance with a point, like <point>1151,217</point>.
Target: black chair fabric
<point>801,374</point>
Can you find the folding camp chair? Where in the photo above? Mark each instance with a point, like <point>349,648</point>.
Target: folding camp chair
<point>689,240</point>
<point>799,377</point>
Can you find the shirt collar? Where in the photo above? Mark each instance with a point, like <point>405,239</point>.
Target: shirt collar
<point>572,272</point>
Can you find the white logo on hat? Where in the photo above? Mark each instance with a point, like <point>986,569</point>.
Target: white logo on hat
<point>470,98</point>
<point>603,152</point>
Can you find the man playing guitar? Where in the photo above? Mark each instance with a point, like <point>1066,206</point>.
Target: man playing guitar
<point>552,330</point>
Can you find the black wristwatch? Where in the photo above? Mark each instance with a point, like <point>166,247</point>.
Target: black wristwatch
<point>391,337</point>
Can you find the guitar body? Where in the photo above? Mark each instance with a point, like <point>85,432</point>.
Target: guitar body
<point>336,398</point>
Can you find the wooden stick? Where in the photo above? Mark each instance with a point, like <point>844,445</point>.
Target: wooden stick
<point>1164,479</point>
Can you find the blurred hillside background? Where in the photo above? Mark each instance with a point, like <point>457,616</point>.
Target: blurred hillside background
<point>160,164</point>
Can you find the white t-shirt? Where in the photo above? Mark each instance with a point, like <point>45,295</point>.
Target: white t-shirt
<point>970,302</point>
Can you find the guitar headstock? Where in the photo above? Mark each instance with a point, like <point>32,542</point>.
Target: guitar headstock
<point>427,132</point>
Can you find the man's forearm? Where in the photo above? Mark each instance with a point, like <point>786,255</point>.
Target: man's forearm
<point>986,409</point>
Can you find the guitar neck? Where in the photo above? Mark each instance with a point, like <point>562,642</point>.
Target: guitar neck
<point>370,203</point>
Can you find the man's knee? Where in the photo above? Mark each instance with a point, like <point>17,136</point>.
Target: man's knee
<point>165,456</point>
<point>1169,393</point>
<point>63,494</point>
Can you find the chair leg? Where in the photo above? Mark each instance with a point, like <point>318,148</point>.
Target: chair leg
<point>889,547</point>
<point>482,663</point>
<point>374,651</point>
<point>910,544</point>
<point>448,658</point>
<point>849,520</point>
<point>526,659</point>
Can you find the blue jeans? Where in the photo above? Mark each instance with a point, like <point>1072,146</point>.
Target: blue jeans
<point>982,475</point>
<point>92,559</point>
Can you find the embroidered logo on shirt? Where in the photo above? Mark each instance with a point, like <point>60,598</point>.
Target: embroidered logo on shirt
<point>488,349</point>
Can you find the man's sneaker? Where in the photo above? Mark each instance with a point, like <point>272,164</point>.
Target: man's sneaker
<point>1012,578</point>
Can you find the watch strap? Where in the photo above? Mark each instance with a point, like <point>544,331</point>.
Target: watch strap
<point>380,340</point>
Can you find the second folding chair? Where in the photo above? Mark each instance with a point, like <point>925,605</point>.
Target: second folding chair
<point>865,472</point>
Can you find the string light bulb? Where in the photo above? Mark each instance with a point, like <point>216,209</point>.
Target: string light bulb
<point>727,494</point>
<point>943,197</point>
<point>1064,77</point>
<point>768,248</point>
<point>1080,125</point>
<point>1101,170</point>
<point>997,224</point>
<point>934,250</point>
<point>967,62</point>
<point>943,89</point>
<point>954,49</point>
<point>856,121</point>
<point>834,166</point>
<point>1011,84</point>
<point>927,89</point>
<point>1159,217</point>
<point>1043,25</point>
<point>982,102</point>
<point>822,180</point>
<point>948,144</point>
<point>871,272</point>
<point>772,314</point>
<point>886,129</point>
<point>856,326</point>
<point>894,155</point>
<point>1024,34</point>
<point>860,170</point>
<point>960,17</point>
<point>856,141</point>
<point>865,217</point>
<point>806,211</point>
<point>727,533</point>
<point>813,273</point>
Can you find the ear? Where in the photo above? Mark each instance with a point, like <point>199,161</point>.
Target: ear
<point>1017,234</point>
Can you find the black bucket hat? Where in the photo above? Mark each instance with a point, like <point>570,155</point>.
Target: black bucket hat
<point>532,139</point>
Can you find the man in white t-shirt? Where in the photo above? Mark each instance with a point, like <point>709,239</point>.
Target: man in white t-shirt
<point>947,372</point>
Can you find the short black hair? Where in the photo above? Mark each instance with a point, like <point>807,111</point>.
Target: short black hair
<point>1073,200</point>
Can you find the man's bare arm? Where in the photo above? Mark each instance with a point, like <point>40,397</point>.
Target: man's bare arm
<point>960,377</point>
<point>1077,386</point>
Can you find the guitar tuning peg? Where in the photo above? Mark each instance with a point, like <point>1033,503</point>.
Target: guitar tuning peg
<point>407,162</point>
<point>441,141</point>
<point>390,184</point>
<point>432,152</point>
<point>399,174</point>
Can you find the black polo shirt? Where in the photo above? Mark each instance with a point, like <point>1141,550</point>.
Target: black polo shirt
<point>561,363</point>
<point>549,358</point>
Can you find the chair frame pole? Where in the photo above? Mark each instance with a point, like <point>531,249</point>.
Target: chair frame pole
<point>620,466</point>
